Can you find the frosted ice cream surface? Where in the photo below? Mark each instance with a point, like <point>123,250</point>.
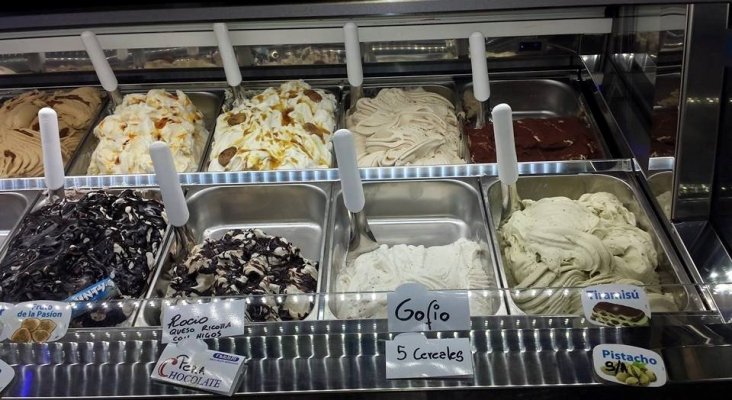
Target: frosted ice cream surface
<point>280,128</point>
<point>557,242</point>
<point>21,154</point>
<point>125,136</point>
<point>390,266</point>
<point>249,262</point>
<point>405,127</point>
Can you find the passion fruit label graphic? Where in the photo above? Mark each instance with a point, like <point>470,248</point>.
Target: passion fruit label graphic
<point>36,321</point>
<point>628,365</point>
<point>616,305</point>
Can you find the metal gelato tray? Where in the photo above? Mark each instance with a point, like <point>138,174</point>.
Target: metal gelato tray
<point>441,86</point>
<point>13,206</point>
<point>670,269</point>
<point>428,213</point>
<point>540,99</point>
<point>409,51</point>
<point>256,87</point>
<point>296,212</point>
<point>207,100</point>
<point>661,184</point>
<point>94,119</point>
<point>130,309</point>
<point>299,54</point>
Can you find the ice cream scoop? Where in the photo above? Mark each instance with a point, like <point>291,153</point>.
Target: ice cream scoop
<point>354,68</point>
<point>362,240</point>
<point>481,86</point>
<point>101,66</point>
<point>53,164</point>
<point>228,58</point>
<point>173,198</point>
<point>506,157</point>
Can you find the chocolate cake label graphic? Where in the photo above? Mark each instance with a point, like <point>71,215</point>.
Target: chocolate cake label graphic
<point>36,321</point>
<point>616,305</point>
<point>628,365</point>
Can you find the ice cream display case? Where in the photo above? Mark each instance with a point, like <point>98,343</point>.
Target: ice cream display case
<point>602,264</point>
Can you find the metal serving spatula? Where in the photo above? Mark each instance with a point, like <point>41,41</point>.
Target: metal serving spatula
<point>362,240</point>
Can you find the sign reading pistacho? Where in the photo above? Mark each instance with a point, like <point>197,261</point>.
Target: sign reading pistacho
<point>628,365</point>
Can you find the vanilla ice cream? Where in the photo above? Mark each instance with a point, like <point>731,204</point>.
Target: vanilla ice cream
<point>125,136</point>
<point>281,128</point>
<point>459,265</point>
<point>405,127</point>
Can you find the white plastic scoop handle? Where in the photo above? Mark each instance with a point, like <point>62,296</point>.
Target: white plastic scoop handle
<point>53,164</point>
<point>99,60</point>
<point>175,203</point>
<point>345,149</point>
<point>481,86</point>
<point>505,148</point>
<point>353,54</point>
<point>231,66</point>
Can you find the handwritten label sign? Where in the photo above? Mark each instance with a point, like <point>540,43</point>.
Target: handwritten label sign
<point>629,365</point>
<point>616,305</point>
<point>411,355</point>
<point>193,365</point>
<point>4,333</point>
<point>203,321</point>
<point>7,373</point>
<point>36,321</point>
<point>413,308</point>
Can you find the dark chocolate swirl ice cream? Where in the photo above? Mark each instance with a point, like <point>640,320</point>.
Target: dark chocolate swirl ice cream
<point>249,262</point>
<point>64,247</point>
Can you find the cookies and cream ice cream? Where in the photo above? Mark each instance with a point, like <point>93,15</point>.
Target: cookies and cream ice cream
<point>67,246</point>
<point>280,128</point>
<point>405,127</point>
<point>125,136</point>
<point>557,242</point>
<point>20,138</point>
<point>459,265</point>
<point>249,262</point>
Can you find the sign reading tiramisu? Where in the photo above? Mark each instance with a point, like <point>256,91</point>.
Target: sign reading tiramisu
<point>203,321</point>
<point>203,369</point>
<point>616,305</point>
